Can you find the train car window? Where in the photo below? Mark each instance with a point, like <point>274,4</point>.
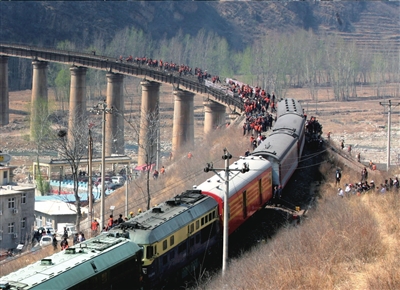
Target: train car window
<point>149,252</point>
<point>93,266</point>
<point>191,228</point>
<point>202,221</point>
<point>260,190</point>
<point>182,247</point>
<point>197,224</point>
<point>214,214</point>
<point>165,260</point>
<point>206,218</point>
<point>210,216</point>
<point>171,240</point>
<point>165,245</point>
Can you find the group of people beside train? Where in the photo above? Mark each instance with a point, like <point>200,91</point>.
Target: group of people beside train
<point>363,186</point>
<point>256,102</point>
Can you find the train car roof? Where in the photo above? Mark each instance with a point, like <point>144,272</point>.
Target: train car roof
<point>290,123</point>
<point>73,265</point>
<point>237,180</point>
<point>161,221</point>
<point>275,147</point>
<point>289,106</point>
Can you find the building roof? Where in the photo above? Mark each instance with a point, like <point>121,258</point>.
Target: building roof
<point>55,207</point>
<point>83,161</point>
<point>14,189</point>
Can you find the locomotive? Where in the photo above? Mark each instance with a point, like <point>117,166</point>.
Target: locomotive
<point>102,262</point>
<point>175,235</point>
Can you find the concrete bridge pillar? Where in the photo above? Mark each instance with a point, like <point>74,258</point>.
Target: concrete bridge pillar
<point>4,99</point>
<point>115,140</point>
<point>183,126</point>
<point>77,101</point>
<point>214,115</point>
<point>39,100</point>
<point>149,122</point>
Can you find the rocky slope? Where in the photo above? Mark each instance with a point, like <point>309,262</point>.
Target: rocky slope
<point>49,22</point>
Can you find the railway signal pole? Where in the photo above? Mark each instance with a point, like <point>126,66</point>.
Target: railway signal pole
<point>102,108</point>
<point>210,167</point>
<point>389,104</point>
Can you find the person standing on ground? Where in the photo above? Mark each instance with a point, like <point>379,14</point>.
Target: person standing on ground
<point>55,242</point>
<point>75,240</point>
<point>95,227</point>
<point>64,244</point>
<point>338,176</point>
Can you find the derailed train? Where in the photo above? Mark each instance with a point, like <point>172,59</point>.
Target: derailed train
<point>175,234</point>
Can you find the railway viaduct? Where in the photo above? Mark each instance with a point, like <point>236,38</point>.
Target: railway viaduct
<point>183,121</point>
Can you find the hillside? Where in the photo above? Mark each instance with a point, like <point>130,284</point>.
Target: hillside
<point>48,22</point>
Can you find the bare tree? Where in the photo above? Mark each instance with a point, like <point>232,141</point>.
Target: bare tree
<point>71,147</point>
<point>150,146</point>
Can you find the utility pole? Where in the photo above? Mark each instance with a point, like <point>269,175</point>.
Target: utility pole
<point>90,180</point>
<point>210,167</point>
<point>389,104</point>
<point>102,108</point>
<point>126,190</point>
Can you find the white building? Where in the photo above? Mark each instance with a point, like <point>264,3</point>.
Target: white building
<point>16,215</point>
<point>52,212</point>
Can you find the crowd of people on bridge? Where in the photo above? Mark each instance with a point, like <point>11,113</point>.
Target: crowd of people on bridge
<point>165,66</point>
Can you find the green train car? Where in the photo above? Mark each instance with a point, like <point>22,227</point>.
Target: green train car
<point>174,236</point>
<point>99,263</point>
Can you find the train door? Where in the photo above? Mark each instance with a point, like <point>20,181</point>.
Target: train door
<point>244,204</point>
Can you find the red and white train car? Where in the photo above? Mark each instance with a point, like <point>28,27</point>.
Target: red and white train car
<point>248,192</point>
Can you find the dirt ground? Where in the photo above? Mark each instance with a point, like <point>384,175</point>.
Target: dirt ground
<point>361,122</point>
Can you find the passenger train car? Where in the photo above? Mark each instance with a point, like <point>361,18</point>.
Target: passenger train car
<point>98,263</point>
<point>284,146</point>
<point>248,192</point>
